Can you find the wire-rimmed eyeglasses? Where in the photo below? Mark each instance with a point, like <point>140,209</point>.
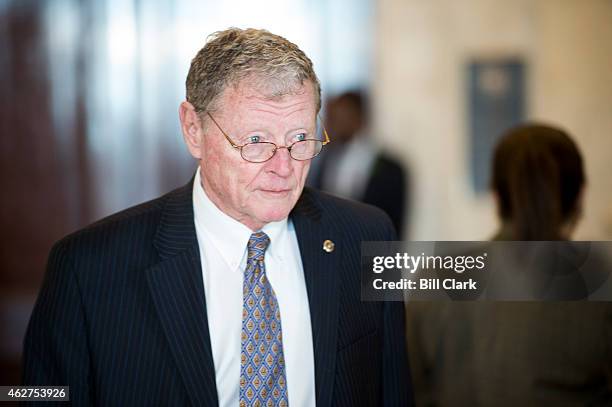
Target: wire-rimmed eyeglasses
<point>262,151</point>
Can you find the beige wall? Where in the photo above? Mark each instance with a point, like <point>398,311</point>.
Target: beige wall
<point>419,91</point>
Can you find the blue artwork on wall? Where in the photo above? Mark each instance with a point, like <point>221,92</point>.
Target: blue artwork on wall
<point>496,103</point>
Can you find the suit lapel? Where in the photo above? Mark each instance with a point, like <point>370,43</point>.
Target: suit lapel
<point>177,290</point>
<point>321,274</point>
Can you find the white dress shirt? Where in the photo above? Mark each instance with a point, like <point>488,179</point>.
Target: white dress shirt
<point>223,250</point>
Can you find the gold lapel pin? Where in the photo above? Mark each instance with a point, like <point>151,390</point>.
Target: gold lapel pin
<point>329,246</point>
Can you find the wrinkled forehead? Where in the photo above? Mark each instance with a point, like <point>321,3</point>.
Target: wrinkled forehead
<point>273,89</point>
<point>269,94</point>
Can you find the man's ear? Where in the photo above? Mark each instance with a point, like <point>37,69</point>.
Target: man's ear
<point>191,126</point>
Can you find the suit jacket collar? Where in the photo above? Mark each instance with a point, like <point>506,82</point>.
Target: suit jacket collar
<point>176,230</point>
<point>177,289</point>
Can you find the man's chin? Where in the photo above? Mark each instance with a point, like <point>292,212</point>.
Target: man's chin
<point>273,213</point>
<point>275,216</point>
<point>274,207</point>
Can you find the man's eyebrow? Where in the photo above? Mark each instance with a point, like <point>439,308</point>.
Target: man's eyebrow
<point>283,110</point>
<point>302,129</point>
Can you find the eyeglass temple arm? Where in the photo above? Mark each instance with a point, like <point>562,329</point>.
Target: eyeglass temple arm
<point>327,140</point>
<point>222,132</point>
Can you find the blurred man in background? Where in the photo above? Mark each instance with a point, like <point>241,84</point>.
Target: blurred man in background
<point>353,167</point>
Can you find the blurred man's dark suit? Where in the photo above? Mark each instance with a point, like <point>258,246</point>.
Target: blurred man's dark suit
<point>387,185</point>
<point>121,317</point>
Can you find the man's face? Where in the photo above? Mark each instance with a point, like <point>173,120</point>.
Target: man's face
<point>256,193</point>
<point>343,120</point>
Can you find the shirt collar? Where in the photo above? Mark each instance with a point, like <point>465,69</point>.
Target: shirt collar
<point>229,236</point>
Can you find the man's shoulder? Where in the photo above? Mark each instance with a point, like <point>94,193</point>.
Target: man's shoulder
<point>349,214</point>
<point>332,203</point>
<point>134,227</point>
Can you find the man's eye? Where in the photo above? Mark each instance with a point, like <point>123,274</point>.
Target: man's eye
<point>300,137</point>
<point>254,139</point>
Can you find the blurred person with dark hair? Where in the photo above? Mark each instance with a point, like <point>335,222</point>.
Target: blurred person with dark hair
<point>538,181</point>
<point>353,167</point>
<point>240,288</point>
<point>519,353</point>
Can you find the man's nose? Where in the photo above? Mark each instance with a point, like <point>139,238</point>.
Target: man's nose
<point>280,163</point>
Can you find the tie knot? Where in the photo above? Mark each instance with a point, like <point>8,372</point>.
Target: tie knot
<point>258,243</point>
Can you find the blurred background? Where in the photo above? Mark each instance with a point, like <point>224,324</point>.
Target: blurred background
<point>90,93</point>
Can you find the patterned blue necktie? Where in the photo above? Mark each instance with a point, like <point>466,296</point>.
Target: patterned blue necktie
<point>262,364</point>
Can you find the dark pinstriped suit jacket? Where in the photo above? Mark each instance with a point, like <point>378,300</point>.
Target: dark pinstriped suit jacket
<point>121,317</point>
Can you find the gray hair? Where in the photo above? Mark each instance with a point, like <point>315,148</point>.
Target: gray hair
<point>275,64</point>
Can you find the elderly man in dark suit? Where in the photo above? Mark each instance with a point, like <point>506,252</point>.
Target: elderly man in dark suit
<point>240,288</point>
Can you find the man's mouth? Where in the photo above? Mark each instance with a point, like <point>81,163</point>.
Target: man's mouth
<point>276,192</point>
